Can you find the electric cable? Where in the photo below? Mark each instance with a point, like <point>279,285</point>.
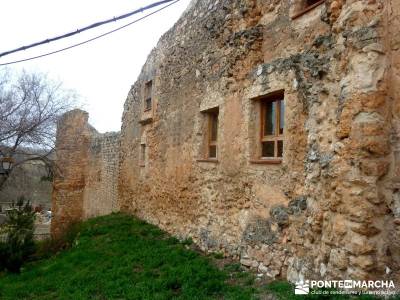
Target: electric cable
<point>94,25</point>
<point>92,39</point>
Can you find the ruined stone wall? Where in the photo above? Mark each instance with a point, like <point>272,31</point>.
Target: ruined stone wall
<point>85,184</point>
<point>100,196</point>
<point>328,209</point>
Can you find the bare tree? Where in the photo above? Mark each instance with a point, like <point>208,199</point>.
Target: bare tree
<point>30,105</point>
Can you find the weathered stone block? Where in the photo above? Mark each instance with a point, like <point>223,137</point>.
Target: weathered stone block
<point>339,258</point>
<point>279,215</point>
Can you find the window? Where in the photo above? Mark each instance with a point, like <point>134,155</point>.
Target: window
<point>142,155</point>
<point>212,134</point>
<point>300,7</point>
<point>272,125</point>
<point>209,146</point>
<point>148,90</point>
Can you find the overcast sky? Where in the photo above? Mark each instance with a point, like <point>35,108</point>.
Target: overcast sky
<point>101,71</point>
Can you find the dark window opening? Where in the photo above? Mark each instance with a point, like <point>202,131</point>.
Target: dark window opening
<point>148,91</point>
<point>147,104</point>
<point>142,155</point>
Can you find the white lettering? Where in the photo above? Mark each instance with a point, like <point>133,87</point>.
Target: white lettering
<point>313,283</point>
<point>335,283</point>
<point>391,284</point>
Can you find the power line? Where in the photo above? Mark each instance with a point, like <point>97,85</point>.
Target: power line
<point>94,25</point>
<point>87,28</point>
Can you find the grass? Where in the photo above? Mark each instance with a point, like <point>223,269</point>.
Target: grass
<point>120,257</point>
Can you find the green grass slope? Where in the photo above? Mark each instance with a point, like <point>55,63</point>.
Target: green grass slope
<point>120,257</point>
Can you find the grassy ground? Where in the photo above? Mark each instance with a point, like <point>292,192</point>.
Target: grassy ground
<point>120,257</point>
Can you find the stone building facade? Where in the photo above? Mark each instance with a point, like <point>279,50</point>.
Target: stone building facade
<point>268,130</point>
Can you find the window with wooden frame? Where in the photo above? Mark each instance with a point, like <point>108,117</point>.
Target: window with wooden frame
<point>148,90</point>
<point>300,7</point>
<point>212,134</point>
<point>272,125</point>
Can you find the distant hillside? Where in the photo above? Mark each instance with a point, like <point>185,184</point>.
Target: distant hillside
<point>28,180</point>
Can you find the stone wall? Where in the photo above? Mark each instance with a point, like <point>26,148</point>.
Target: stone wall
<point>86,182</point>
<point>329,208</point>
<point>100,196</point>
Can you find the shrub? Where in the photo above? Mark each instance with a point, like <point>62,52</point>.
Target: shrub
<point>19,244</point>
<point>49,247</point>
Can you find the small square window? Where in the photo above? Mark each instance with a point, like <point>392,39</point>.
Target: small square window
<point>272,125</point>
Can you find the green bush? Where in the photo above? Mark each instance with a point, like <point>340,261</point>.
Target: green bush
<point>49,247</point>
<point>19,244</point>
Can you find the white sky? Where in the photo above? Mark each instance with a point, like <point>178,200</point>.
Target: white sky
<point>101,71</point>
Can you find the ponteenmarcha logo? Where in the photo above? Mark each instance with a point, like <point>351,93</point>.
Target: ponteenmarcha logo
<point>346,287</point>
<point>302,287</point>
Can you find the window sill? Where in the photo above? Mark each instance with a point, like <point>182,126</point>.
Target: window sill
<point>306,10</point>
<point>266,161</point>
<point>208,160</point>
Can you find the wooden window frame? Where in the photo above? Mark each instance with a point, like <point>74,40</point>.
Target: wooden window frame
<point>307,8</point>
<point>148,91</point>
<point>275,98</point>
<point>212,116</point>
